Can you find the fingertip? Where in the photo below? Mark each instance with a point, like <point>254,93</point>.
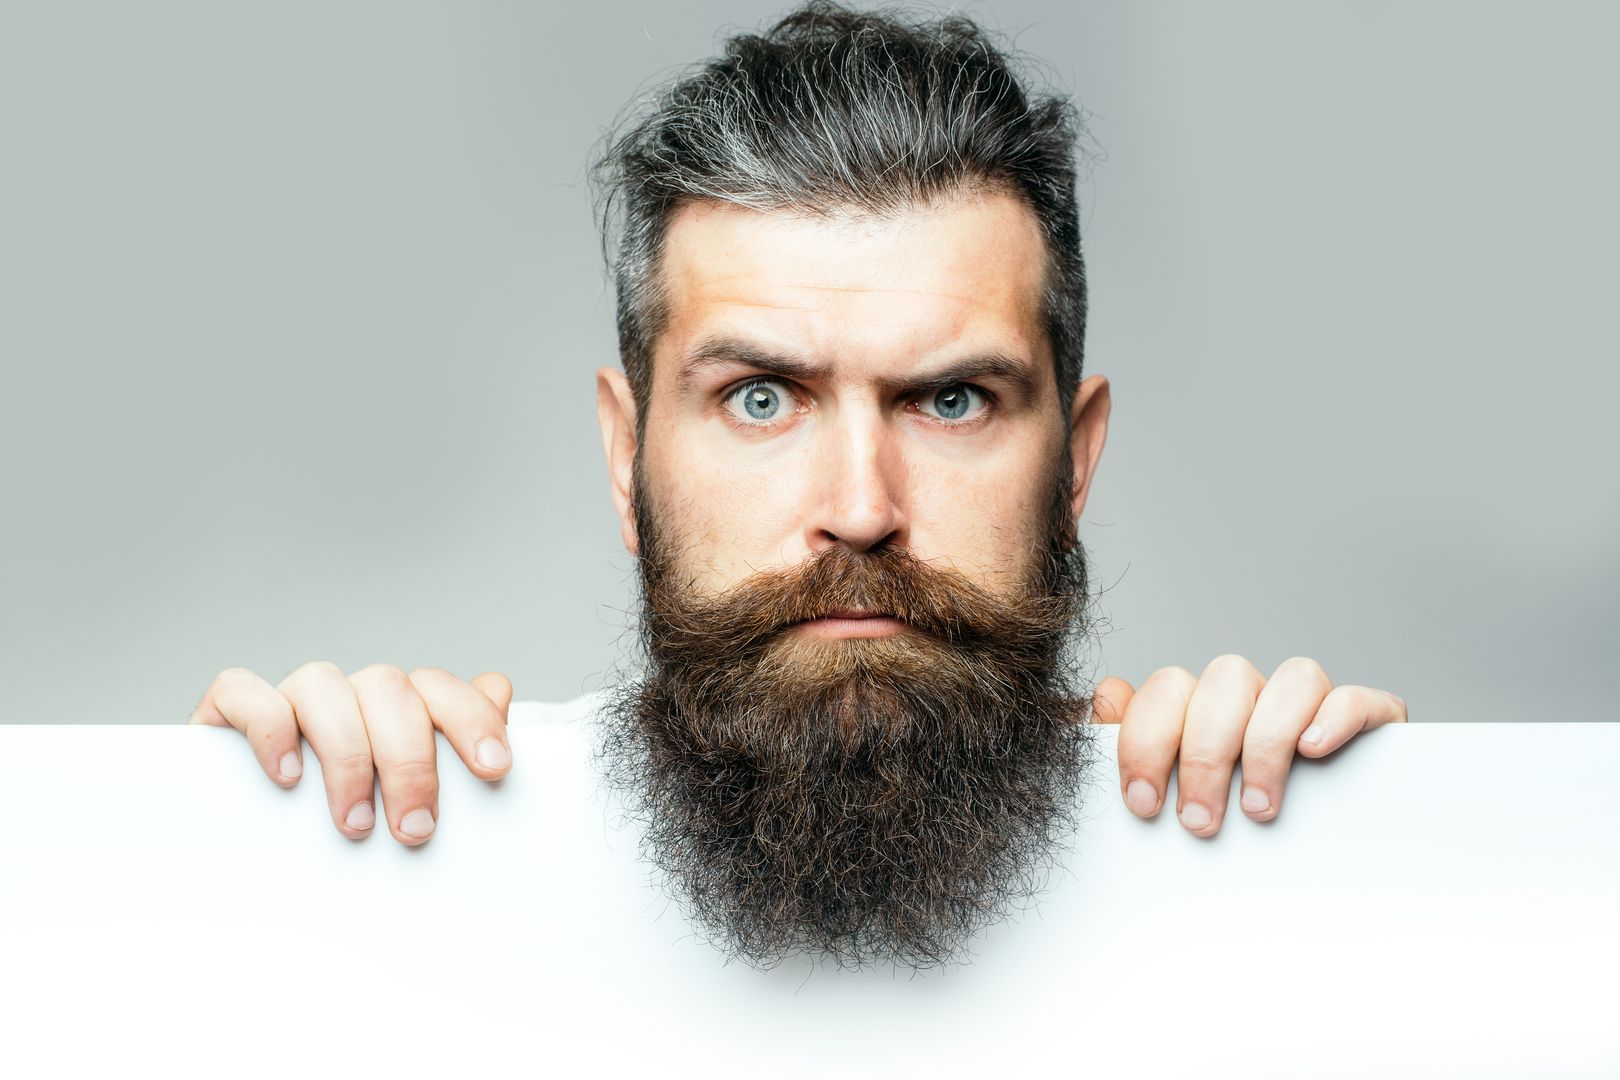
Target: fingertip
<point>1197,819</point>
<point>289,768</point>
<point>359,822</point>
<point>1142,798</point>
<point>497,687</point>
<point>417,826</point>
<point>1257,803</point>
<point>1110,699</point>
<point>494,755</point>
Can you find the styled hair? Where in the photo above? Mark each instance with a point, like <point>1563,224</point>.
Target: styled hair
<point>834,111</point>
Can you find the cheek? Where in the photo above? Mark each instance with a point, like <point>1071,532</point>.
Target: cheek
<point>989,520</point>
<point>725,516</point>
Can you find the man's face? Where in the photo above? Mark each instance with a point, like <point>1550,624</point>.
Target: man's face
<point>854,506</point>
<point>925,414</point>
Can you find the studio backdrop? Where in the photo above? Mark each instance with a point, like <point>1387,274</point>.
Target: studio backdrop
<point>303,303</point>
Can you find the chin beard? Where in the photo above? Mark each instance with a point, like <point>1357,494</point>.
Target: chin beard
<point>869,800</point>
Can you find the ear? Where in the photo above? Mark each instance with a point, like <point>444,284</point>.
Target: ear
<point>616,413</point>
<point>1088,430</point>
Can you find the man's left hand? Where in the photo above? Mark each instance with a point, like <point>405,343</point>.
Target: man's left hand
<point>1230,710</point>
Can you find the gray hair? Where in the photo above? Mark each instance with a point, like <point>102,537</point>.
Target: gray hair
<point>836,111</point>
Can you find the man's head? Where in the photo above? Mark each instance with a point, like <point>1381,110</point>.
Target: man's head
<point>849,449</point>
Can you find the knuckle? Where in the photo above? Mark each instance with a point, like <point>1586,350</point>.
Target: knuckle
<point>232,677</point>
<point>1343,704</point>
<point>1230,666</point>
<point>1268,755</point>
<point>324,669</point>
<point>413,770</point>
<point>315,671</point>
<point>1204,762</point>
<point>430,672</point>
<point>349,761</point>
<point>1300,669</point>
<point>1173,672</point>
<point>380,674</point>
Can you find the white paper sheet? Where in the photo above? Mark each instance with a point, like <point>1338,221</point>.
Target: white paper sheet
<point>1433,900</point>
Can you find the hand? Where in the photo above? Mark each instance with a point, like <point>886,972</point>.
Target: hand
<point>377,714</point>
<point>1230,710</point>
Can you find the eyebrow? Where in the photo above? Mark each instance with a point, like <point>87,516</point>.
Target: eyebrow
<point>727,349</point>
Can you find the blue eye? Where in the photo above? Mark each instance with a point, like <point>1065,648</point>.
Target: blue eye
<point>953,402</point>
<point>760,401</point>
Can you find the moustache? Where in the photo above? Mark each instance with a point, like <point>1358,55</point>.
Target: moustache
<point>930,600</point>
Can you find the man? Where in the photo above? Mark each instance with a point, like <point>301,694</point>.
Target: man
<point>849,445</point>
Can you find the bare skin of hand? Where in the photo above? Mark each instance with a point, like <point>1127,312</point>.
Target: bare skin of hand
<point>376,724</point>
<point>1230,711</point>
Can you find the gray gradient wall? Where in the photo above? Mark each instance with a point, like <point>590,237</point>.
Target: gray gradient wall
<point>303,301</point>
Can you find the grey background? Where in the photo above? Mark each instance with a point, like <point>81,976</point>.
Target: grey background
<point>303,302</point>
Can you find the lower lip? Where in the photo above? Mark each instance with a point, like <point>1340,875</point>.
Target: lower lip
<point>876,626</point>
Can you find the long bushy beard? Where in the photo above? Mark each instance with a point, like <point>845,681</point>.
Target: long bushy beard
<point>873,799</point>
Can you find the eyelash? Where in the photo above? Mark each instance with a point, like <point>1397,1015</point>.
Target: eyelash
<point>727,395</point>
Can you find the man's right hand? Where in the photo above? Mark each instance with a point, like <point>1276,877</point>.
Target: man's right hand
<point>377,723</point>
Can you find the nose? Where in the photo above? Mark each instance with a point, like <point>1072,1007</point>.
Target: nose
<point>860,500</point>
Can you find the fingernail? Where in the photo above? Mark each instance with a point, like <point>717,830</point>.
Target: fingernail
<point>1255,800</point>
<point>492,754</point>
<point>290,767</point>
<point>1313,734</point>
<point>418,822</point>
<point>361,816</point>
<point>1141,797</point>
<point>1195,816</point>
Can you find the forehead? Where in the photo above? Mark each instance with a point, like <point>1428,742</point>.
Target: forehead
<point>859,292</point>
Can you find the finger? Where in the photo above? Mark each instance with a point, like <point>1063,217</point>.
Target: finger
<point>240,699</point>
<point>402,745</point>
<point>1109,700</point>
<point>1290,698</point>
<point>469,719</point>
<point>1212,741</point>
<point>329,715</point>
<point>1149,736</point>
<point>1345,713</point>
<point>496,687</point>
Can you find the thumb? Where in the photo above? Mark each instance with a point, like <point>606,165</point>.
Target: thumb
<point>1113,696</point>
<point>496,687</point>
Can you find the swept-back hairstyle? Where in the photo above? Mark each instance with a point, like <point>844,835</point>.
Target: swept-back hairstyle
<point>833,111</point>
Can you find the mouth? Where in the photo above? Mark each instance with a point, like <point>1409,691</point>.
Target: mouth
<point>851,623</point>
